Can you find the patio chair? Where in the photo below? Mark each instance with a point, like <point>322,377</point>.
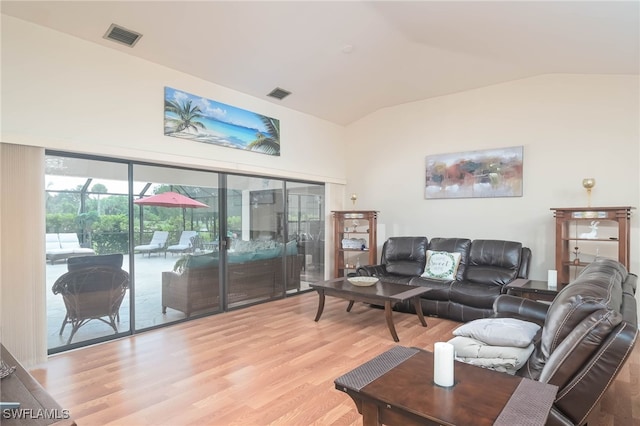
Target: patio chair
<point>158,243</point>
<point>185,244</point>
<point>93,288</point>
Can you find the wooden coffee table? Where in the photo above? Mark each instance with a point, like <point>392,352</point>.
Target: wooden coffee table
<point>382,293</point>
<point>396,388</point>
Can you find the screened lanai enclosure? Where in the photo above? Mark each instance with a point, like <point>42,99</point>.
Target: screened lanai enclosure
<point>231,241</point>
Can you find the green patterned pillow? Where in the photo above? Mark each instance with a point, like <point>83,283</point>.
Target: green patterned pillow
<point>441,265</point>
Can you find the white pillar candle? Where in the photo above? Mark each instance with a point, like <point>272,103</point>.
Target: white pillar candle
<point>552,279</point>
<point>443,364</point>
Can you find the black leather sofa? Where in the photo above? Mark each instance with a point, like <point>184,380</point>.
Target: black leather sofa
<point>485,267</point>
<point>588,333</point>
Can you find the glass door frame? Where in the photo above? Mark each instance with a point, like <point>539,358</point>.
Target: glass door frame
<point>223,240</point>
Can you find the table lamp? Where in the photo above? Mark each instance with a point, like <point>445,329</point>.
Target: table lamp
<point>588,184</point>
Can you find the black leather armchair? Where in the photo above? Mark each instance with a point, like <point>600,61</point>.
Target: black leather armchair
<point>588,332</point>
<point>402,259</point>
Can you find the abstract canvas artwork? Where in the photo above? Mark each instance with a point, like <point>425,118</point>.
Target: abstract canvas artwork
<point>199,119</point>
<point>487,173</point>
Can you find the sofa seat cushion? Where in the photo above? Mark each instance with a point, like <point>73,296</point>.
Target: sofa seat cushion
<point>474,294</point>
<point>439,288</point>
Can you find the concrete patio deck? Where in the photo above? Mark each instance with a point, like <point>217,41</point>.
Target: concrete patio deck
<point>148,305</point>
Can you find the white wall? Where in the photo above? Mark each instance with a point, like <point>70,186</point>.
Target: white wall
<point>571,127</point>
<point>63,93</point>
<point>60,92</point>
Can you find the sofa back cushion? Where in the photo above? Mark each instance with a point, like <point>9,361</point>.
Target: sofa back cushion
<point>493,261</point>
<point>52,242</point>
<point>454,245</point>
<point>69,240</point>
<point>110,260</point>
<point>405,255</point>
<point>203,261</point>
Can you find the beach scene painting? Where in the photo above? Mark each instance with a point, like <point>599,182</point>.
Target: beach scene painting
<point>199,119</point>
<point>486,173</point>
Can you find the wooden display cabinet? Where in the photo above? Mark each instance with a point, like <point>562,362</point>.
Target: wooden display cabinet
<point>571,226</point>
<point>353,225</point>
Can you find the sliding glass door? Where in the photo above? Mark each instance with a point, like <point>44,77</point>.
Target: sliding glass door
<point>305,224</point>
<point>175,235</point>
<point>87,215</point>
<point>256,242</point>
<point>188,243</point>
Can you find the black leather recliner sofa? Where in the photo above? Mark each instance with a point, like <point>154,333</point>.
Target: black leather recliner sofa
<point>485,267</point>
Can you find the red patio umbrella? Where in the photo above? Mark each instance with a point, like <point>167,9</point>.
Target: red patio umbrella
<point>171,199</point>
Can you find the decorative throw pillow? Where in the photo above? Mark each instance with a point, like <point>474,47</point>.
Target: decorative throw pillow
<point>500,331</point>
<point>441,265</point>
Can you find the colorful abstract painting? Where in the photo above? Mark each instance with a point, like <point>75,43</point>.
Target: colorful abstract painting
<point>486,173</point>
<point>199,119</point>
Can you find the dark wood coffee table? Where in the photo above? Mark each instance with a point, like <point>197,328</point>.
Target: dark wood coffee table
<point>396,388</point>
<point>382,293</point>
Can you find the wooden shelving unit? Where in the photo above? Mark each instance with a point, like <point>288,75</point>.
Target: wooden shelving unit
<point>569,220</point>
<point>354,224</point>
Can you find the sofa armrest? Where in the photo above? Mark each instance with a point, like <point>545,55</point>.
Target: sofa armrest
<point>518,307</point>
<point>169,278</point>
<point>372,271</point>
<point>525,262</point>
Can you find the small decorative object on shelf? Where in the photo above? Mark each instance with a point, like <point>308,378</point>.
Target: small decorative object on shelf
<point>353,243</point>
<point>588,184</point>
<point>593,234</point>
<point>576,252</point>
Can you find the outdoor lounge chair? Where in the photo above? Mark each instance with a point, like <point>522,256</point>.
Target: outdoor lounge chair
<point>158,243</point>
<point>93,288</point>
<point>185,244</point>
<point>64,246</point>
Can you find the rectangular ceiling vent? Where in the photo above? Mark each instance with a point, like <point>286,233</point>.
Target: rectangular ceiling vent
<point>279,93</point>
<point>122,35</point>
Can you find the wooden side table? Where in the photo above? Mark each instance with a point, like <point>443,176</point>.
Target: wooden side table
<point>532,289</point>
<point>396,388</point>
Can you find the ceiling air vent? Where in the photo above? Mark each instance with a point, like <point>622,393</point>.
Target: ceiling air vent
<point>279,93</point>
<point>122,35</point>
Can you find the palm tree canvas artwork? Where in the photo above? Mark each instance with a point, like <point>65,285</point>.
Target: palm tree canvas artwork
<point>196,118</point>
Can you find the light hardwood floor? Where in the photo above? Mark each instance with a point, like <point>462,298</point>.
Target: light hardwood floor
<point>267,364</point>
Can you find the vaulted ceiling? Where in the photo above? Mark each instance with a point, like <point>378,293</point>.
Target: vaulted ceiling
<point>345,59</point>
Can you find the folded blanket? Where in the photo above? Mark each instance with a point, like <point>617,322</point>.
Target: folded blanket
<point>507,359</point>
